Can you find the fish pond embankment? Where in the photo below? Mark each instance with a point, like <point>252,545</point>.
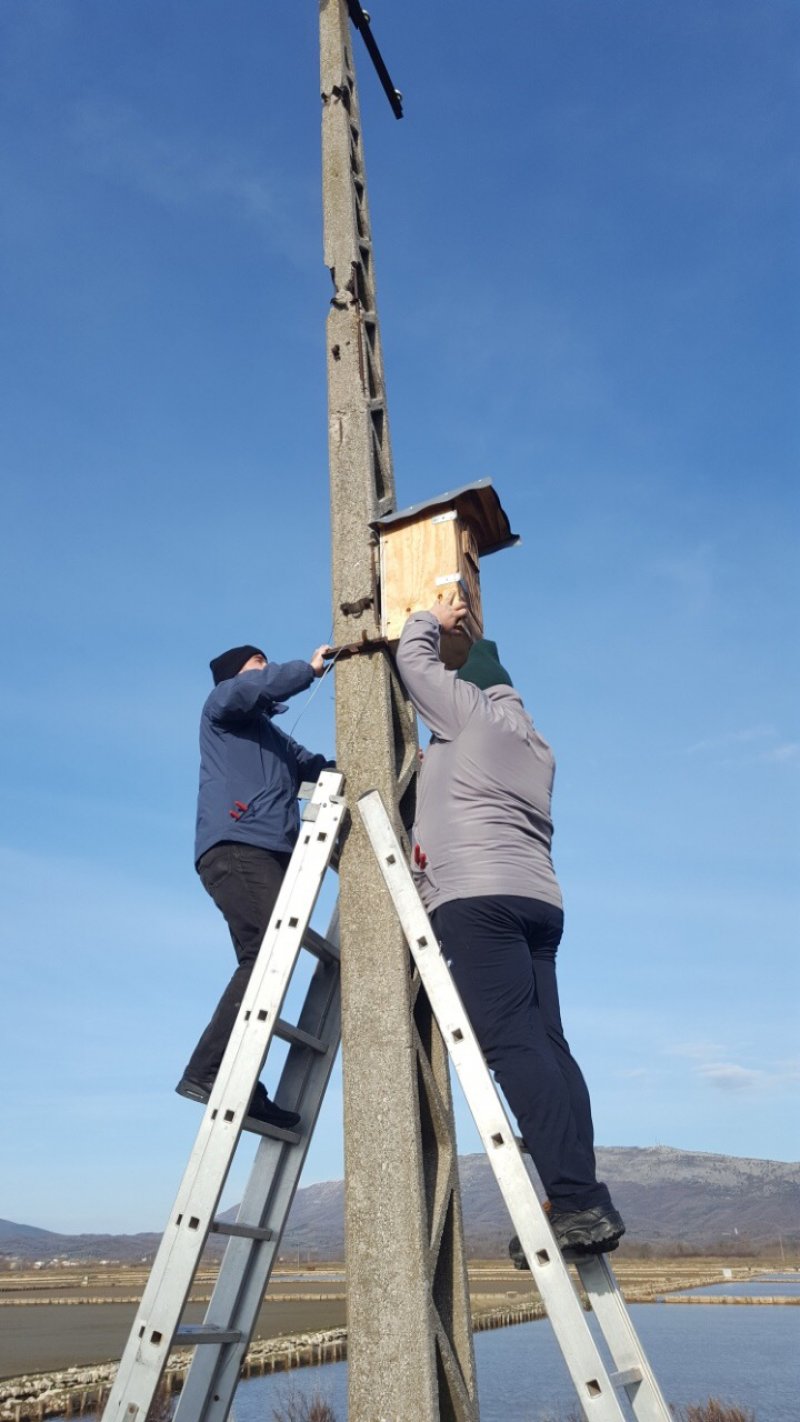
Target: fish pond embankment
<point>69,1331</point>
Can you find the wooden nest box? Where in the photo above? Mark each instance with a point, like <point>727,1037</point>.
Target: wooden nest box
<point>432,551</point>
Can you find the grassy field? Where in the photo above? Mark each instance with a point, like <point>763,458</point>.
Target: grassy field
<point>73,1317</point>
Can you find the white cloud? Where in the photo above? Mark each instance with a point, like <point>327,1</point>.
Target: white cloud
<point>692,575</point>
<point>699,1051</point>
<point>748,746</point>
<point>786,753</point>
<point>105,915</point>
<point>726,739</point>
<point>728,1076</point>
<point>713,1063</point>
<point>115,142</point>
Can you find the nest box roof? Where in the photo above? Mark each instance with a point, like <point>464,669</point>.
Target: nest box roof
<point>476,504</point>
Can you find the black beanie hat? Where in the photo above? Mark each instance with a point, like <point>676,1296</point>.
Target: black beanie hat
<point>229,664</point>
<point>483,667</point>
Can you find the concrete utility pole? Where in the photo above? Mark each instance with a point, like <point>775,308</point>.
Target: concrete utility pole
<point>409,1338</point>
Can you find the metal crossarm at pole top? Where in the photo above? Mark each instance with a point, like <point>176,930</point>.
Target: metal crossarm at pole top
<point>361,20</point>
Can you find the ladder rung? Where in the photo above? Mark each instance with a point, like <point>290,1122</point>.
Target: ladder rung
<point>190,1334</point>
<point>289,1033</point>
<point>262,1128</point>
<point>321,947</point>
<point>240,1231</point>
<point>626,1377</point>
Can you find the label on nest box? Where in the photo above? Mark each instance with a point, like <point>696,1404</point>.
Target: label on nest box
<point>445,517</point>
<point>448,578</point>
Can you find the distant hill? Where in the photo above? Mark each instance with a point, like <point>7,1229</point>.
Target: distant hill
<point>19,1241</point>
<point>9,1230</point>
<point>668,1198</point>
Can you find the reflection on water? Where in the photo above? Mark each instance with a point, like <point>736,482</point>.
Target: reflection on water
<point>766,1286</point>
<point>741,1355</point>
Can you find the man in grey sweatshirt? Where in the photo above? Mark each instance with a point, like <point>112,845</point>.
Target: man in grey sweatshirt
<point>481,861</point>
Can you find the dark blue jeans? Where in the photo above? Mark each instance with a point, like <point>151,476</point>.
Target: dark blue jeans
<point>502,954</point>
<point>244,881</point>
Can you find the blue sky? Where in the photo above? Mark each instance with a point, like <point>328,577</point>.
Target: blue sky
<point>586,235</point>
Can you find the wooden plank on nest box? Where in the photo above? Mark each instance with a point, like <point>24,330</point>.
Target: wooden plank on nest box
<point>431,553</point>
<point>427,561</point>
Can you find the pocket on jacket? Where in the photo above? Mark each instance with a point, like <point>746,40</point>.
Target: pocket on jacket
<point>424,880</point>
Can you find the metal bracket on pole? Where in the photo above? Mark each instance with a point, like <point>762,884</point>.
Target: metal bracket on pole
<point>361,20</point>
<point>355,649</point>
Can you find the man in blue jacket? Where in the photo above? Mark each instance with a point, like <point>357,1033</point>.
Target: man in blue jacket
<point>247,825</point>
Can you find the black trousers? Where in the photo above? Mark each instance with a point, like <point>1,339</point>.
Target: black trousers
<point>244,881</point>
<point>502,954</point>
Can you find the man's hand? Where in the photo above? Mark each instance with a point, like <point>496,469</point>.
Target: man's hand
<point>450,614</point>
<point>317,660</point>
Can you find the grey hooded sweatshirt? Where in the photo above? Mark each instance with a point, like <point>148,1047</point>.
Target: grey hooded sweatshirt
<point>483,804</point>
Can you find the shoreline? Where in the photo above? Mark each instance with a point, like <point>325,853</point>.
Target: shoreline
<point>79,1389</point>
<point>74,1392</point>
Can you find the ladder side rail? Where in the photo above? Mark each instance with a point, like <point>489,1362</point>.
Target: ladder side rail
<point>586,1367</point>
<point>608,1305</point>
<point>245,1272</point>
<point>644,1394</point>
<point>269,981</point>
<point>184,1238</point>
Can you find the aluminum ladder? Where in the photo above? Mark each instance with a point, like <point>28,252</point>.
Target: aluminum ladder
<point>598,1387</point>
<point>221,1341</point>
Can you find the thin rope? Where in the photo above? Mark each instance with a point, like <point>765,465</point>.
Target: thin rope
<point>301,713</point>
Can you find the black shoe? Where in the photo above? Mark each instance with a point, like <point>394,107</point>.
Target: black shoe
<point>515,1250</point>
<point>269,1113</point>
<point>195,1090</point>
<point>260,1109</point>
<point>593,1231</point>
<point>578,1233</point>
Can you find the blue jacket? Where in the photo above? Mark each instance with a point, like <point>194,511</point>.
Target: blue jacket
<point>250,771</point>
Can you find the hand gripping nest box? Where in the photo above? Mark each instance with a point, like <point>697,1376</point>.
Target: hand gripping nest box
<point>432,551</point>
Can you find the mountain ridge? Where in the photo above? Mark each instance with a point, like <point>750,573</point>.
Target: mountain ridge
<point>667,1196</point>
